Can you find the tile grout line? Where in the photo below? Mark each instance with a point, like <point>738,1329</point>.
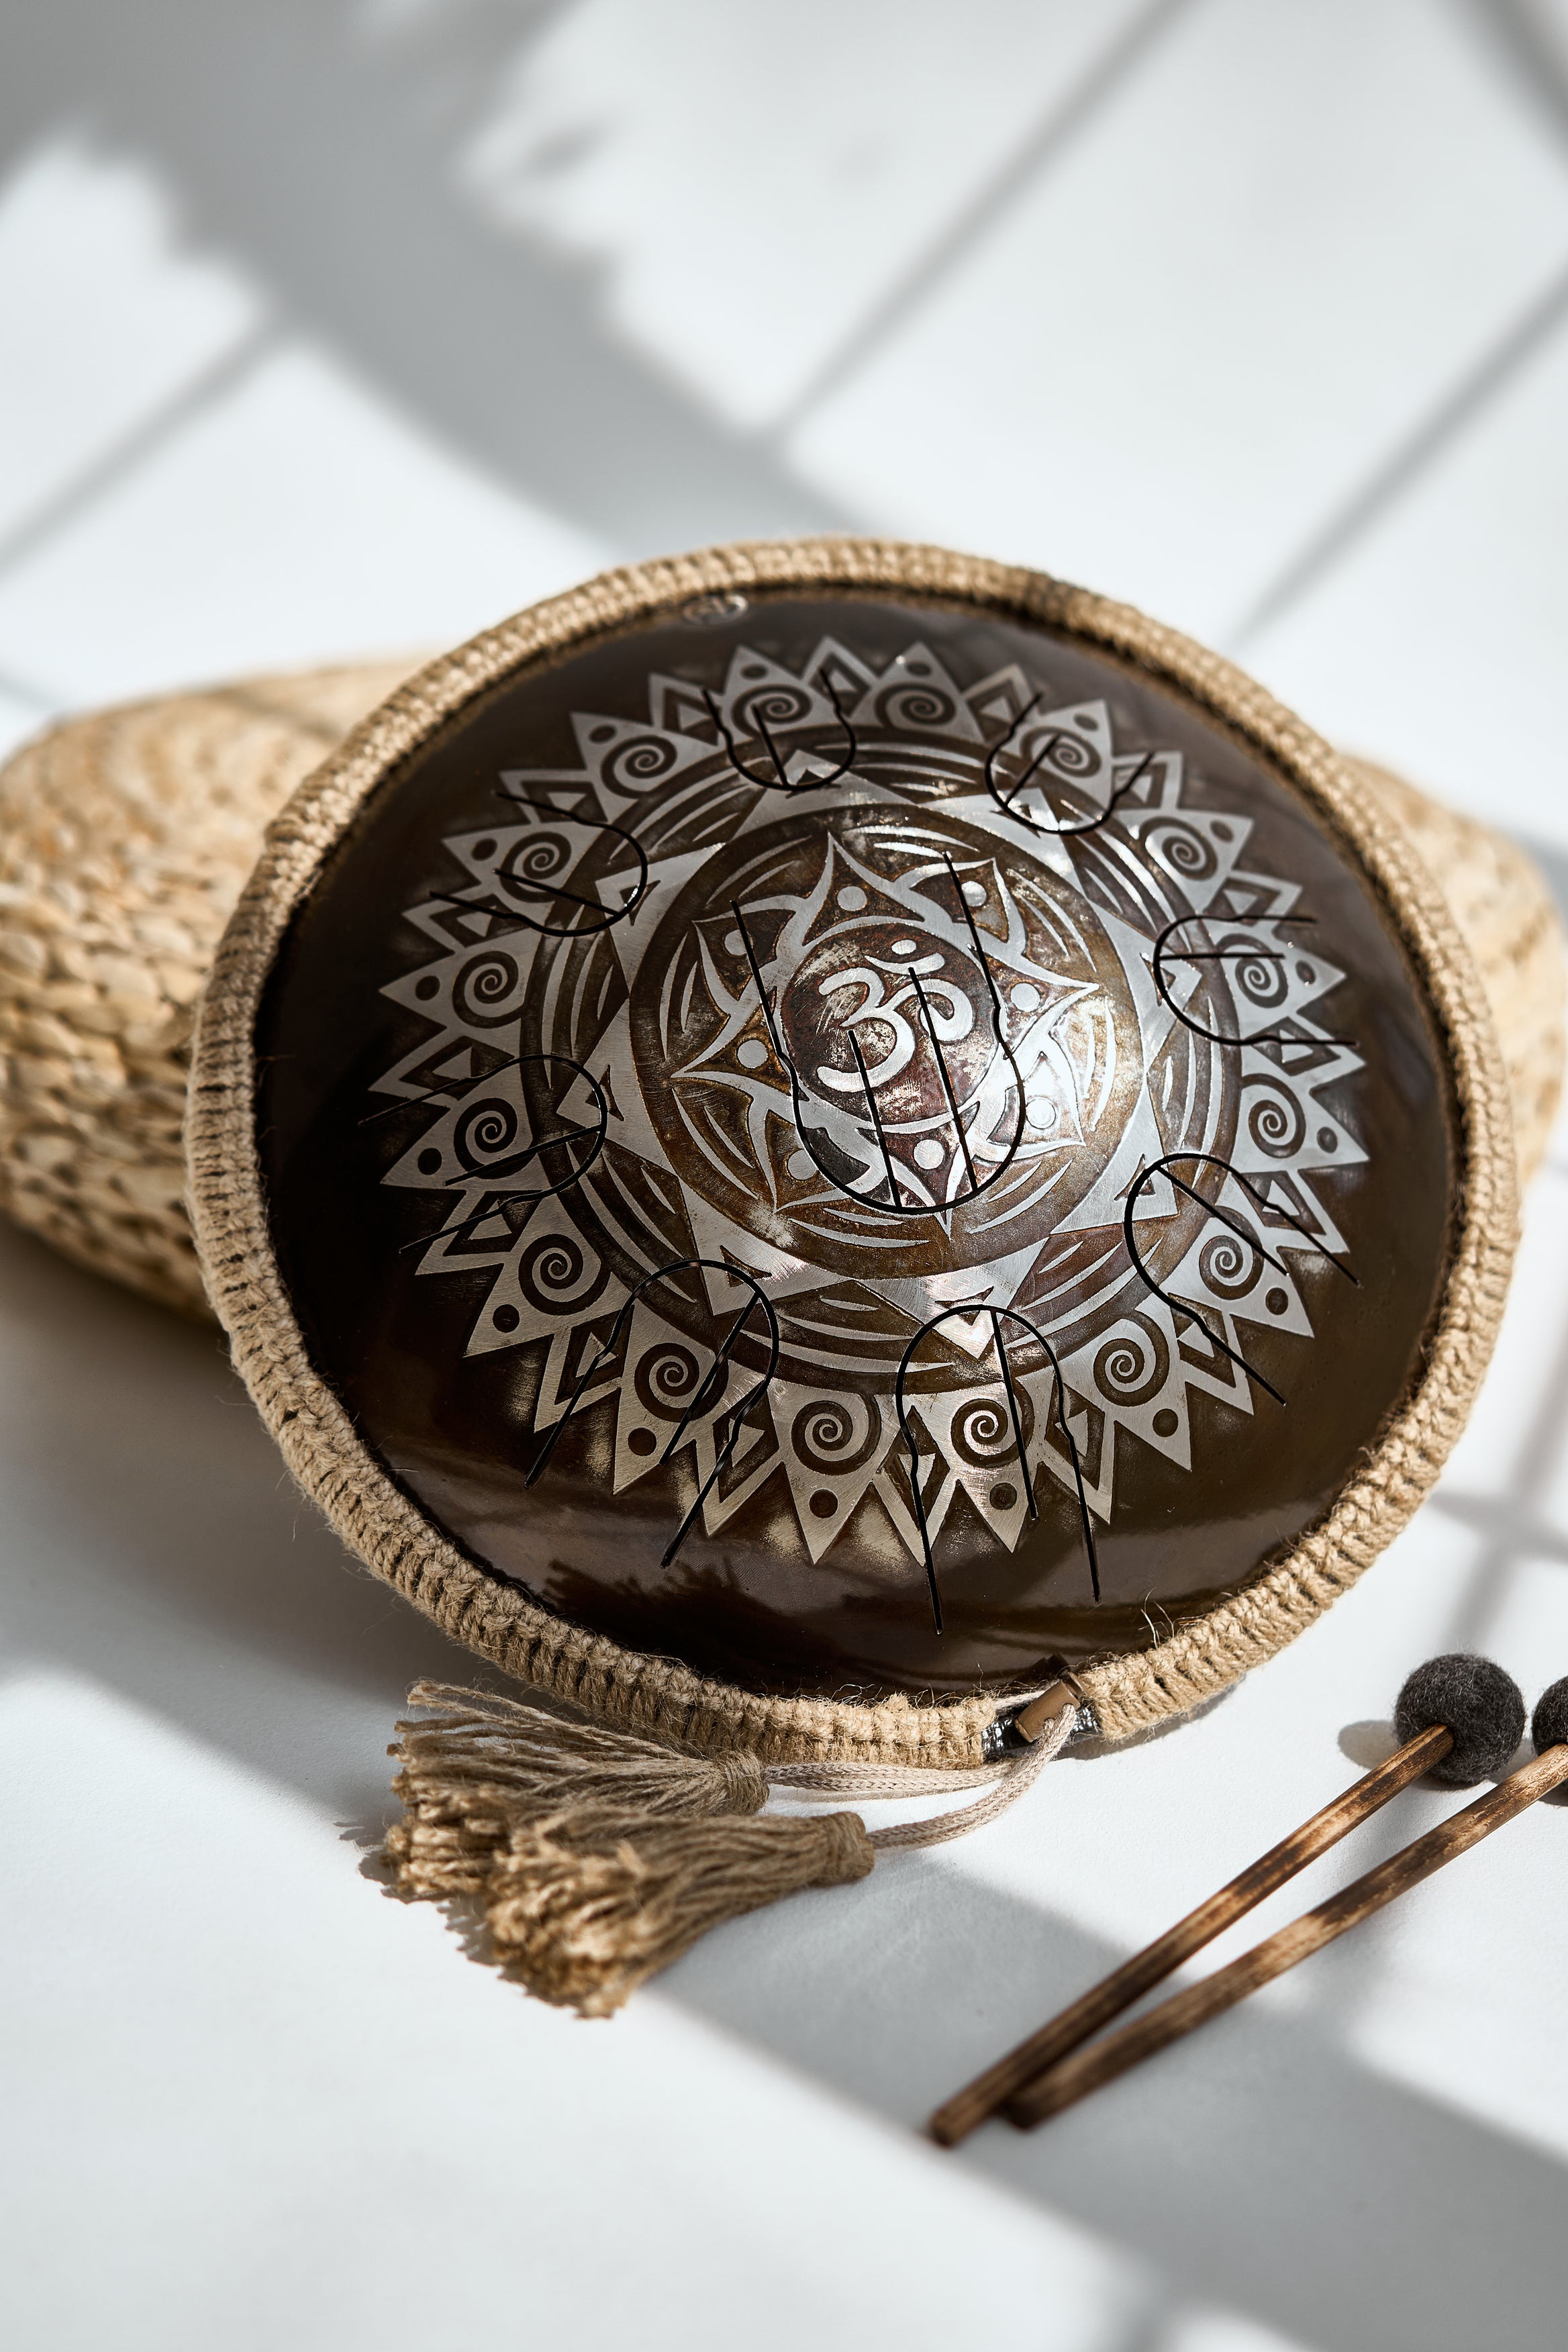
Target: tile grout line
<point>198,393</point>
<point>1040,146</point>
<point>1481,384</point>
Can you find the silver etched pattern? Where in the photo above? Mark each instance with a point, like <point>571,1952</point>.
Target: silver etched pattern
<point>957,1013</point>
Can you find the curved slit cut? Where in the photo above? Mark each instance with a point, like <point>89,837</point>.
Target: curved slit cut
<point>1059,1391</point>
<point>779,781</point>
<point>1226,955</point>
<point>704,1394</point>
<point>1165,1167</point>
<point>609,915</point>
<point>1005,799</point>
<point>497,1184</point>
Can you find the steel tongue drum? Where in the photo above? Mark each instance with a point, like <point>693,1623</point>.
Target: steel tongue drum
<point>803,1137</point>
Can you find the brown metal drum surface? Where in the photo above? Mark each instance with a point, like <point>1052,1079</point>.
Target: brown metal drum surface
<point>880,1086</point>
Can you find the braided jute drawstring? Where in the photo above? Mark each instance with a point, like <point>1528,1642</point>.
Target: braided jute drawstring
<point>600,1856</point>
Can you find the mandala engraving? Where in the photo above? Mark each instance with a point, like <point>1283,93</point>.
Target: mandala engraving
<point>925,1023</point>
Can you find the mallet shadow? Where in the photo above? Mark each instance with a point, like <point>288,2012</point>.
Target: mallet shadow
<point>1258,2166</point>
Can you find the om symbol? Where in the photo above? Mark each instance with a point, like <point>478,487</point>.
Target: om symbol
<point>943,1010</point>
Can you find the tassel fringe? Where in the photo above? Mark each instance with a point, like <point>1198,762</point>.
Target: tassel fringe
<point>479,1769</point>
<point>600,1857</point>
<point>586,1919</point>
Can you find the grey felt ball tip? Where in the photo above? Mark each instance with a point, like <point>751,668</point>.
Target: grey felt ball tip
<point>1549,1724</point>
<point>1481,1706</point>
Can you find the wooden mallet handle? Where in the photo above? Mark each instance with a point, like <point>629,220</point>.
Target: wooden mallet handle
<point>970,2107</point>
<point>1074,2077</point>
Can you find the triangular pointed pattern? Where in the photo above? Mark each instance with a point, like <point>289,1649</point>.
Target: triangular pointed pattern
<point>725,1247</point>
<point>915,695</point>
<point>839,671</point>
<point>1139,1149</point>
<point>975,1288</point>
<point>1051,1420</point>
<point>781,731</point>
<point>833,1444</point>
<point>1136,1367</point>
<point>970,1432</point>
<point>1234,1269</point>
<point>644,913</point>
<point>624,759</point>
<point>548,1287</point>
<point>999,700</point>
<point>1057,768</point>
<point>665,1371</point>
<point>805,800</point>
<point>626,1123</point>
<point>1195,847</point>
<point>679,708</point>
<point>925,1018</point>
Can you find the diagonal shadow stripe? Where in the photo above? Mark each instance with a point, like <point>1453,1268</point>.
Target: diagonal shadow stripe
<point>210,385</point>
<point>1060,127</point>
<point>1530,38</point>
<point>183,1572</point>
<point>1464,401</point>
<point>1258,2166</point>
<point>325,165</point>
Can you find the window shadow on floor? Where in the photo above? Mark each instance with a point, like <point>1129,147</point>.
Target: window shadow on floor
<point>1258,2166</point>
<point>155,1544</point>
<point>323,163</point>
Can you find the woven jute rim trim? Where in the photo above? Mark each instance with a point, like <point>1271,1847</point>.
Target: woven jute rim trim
<point>393,1535</point>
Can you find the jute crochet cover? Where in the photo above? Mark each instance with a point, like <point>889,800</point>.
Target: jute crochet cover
<point>1153,759</point>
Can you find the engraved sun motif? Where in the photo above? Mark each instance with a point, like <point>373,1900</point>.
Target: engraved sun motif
<point>913,1080</point>
<point>860,1009</point>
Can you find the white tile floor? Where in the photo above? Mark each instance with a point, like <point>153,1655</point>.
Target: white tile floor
<point>329,327</point>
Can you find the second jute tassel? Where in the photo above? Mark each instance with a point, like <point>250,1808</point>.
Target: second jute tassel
<point>599,1856</point>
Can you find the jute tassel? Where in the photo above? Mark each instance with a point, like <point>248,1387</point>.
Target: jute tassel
<point>600,1856</point>
<point>481,1769</point>
<point>585,1912</point>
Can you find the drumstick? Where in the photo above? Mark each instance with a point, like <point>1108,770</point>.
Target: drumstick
<point>1088,2070</point>
<point>1459,1716</point>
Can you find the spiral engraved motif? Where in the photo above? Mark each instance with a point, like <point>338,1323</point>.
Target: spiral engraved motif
<point>486,1130</point>
<point>1072,755</point>
<point>772,707</point>
<point>553,1272</point>
<point>1134,1364</point>
<point>667,1379</point>
<point>834,1435</point>
<point>487,991</point>
<point>636,764</point>
<point>1188,854</point>
<point>1274,1119</point>
<point>1258,976</point>
<point>983,1430</point>
<point>908,708</point>
<point>533,863</point>
<point>1230,1264</point>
